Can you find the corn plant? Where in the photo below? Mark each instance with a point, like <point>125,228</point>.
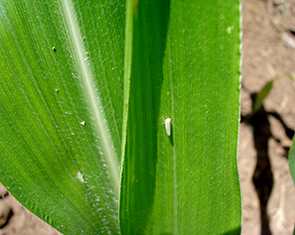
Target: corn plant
<point>122,117</point>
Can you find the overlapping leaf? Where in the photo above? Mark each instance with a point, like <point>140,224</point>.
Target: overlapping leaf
<point>61,110</point>
<point>185,66</point>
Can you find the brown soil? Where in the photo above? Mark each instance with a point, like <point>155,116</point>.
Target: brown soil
<point>268,50</point>
<point>267,188</point>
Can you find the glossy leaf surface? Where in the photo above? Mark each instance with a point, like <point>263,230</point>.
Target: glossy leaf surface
<point>185,66</point>
<point>61,110</point>
<point>62,119</point>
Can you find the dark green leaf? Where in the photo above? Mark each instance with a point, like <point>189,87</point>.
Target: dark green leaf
<point>185,66</point>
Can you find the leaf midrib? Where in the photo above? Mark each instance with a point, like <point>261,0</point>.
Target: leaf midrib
<point>91,93</point>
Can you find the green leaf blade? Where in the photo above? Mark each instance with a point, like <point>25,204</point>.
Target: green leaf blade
<point>61,112</point>
<point>292,161</point>
<point>186,183</point>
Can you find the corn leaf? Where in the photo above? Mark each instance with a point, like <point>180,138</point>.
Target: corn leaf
<point>61,110</point>
<point>184,66</point>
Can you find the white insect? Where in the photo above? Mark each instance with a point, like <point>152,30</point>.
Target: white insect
<point>80,177</point>
<point>82,123</point>
<point>167,123</point>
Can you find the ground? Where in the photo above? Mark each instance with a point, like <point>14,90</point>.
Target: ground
<point>268,50</point>
<point>267,188</point>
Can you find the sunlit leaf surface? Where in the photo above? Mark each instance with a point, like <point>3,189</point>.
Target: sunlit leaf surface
<point>61,110</point>
<point>185,66</point>
<point>62,119</point>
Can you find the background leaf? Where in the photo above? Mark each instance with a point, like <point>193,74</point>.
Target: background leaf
<point>185,66</point>
<point>61,110</point>
<point>263,94</point>
<point>292,165</point>
<point>292,161</point>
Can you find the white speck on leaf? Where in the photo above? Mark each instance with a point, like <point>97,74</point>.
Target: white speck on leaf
<point>229,29</point>
<point>80,177</point>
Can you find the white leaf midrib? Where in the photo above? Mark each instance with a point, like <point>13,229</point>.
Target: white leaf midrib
<point>91,93</point>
